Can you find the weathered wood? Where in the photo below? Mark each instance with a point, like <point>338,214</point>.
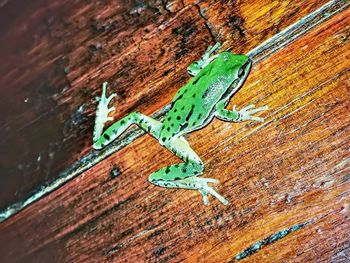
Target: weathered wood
<point>56,54</point>
<point>290,172</point>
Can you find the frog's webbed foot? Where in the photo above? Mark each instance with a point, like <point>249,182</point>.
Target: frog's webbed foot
<point>208,57</point>
<point>246,113</point>
<point>211,49</point>
<point>198,65</point>
<point>201,184</point>
<point>102,111</point>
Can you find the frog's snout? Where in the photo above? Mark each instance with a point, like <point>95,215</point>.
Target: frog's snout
<point>245,68</point>
<point>247,64</point>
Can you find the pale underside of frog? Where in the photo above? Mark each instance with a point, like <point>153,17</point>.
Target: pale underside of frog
<point>216,78</point>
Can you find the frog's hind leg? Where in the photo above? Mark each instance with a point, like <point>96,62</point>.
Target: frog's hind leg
<point>146,123</point>
<point>184,175</point>
<point>101,139</point>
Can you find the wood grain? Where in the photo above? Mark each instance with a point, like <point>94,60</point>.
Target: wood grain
<point>292,169</point>
<point>56,54</point>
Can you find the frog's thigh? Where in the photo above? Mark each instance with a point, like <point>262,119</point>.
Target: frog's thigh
<point>168,176</point>
<point>148,124</point>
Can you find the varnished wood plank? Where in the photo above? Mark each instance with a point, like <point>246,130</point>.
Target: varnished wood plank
<point>238,23</point>
<point>55,56</point>
<point>39,43</point>
<point>290,170</point>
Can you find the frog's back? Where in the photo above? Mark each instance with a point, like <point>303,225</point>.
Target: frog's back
<point>194,104</point>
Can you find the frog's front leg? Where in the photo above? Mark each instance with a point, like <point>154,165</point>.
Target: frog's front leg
<point>100,139</point>
<point>238,116</point>
<point>195,67</point>
<point>184,175</point>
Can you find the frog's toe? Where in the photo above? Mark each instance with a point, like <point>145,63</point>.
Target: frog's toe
<point>216,47</point>
<point>207,180</point>
<point>205,197</point>
<point>209,48</point>
<point>111,109</point>
<point>255,118</point>
<point>113,95</point>
<point>205,190</point>
<point>209,190</point>
<point>248,111</point>
<point>246,108</point>
<point>104,89</point>
<point>252,111</point>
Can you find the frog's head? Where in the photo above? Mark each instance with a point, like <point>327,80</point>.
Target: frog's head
<point>241,64</point>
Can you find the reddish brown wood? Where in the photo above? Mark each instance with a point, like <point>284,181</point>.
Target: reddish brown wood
<point>56,54</point>
<point>291,169</point>
<point>43,116</point>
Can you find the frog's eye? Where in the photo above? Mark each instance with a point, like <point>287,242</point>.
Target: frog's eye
<point>241,72</point>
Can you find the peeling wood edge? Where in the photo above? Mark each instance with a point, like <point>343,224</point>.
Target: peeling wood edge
<point>258,54</point>
<point>269,240</point>
<point>276,236</point>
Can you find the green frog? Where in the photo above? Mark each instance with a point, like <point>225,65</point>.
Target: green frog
<point>216,78</point>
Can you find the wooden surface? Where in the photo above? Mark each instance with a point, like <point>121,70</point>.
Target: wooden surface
<point>287,179</point>
<point>56,54</point>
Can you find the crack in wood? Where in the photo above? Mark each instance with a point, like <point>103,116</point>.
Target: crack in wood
<point>275,237</point>
<point>206,23</point>
<point>269,240</point>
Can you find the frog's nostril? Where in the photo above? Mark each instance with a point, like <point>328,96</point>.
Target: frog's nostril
<point>246,64</point>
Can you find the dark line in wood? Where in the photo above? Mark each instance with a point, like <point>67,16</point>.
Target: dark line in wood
<point>268,240</point>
